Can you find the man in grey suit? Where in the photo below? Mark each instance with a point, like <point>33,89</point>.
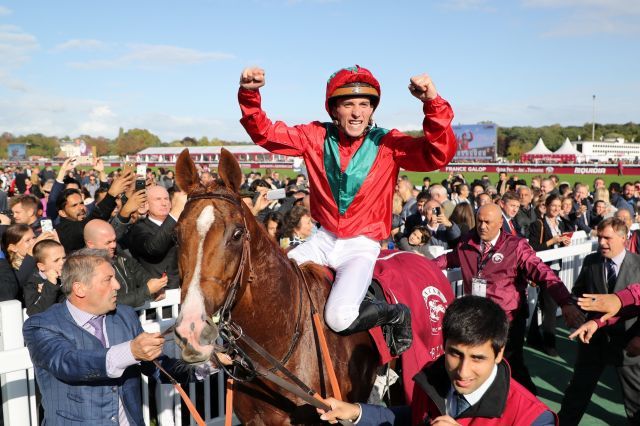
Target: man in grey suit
<point>610,269</point>
<point>88,353</point>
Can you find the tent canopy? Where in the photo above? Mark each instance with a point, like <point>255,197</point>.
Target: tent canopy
<point>539,149</point>
<point>568,149</point>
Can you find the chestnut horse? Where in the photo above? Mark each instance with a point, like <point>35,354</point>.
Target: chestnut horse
<point>228,261</point>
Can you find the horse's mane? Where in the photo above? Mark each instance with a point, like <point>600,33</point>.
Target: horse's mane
<point>314,273</point>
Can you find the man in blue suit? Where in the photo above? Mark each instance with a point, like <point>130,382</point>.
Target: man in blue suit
<point>88,353</point>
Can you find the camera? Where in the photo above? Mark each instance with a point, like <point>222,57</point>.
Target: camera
<point>8,213</point>
<point>436,211</point>
<point>140,184</point>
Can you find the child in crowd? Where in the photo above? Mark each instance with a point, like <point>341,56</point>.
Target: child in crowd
<point>43,289</point>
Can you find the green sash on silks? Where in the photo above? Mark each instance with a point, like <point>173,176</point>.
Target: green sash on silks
<point>345,186</point>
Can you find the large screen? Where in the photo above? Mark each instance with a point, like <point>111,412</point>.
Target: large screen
<point>476,142</point>
<point>17,152</point>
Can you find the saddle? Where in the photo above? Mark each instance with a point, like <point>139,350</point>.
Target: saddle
<point>413,280</point>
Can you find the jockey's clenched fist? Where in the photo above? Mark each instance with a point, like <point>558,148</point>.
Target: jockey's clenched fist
<point>422,87</point>
<point>252,78</point>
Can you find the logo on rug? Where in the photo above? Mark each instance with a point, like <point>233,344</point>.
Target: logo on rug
<point>436,303</point>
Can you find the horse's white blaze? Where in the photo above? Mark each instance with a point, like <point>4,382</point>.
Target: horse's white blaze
<point>193,305</point>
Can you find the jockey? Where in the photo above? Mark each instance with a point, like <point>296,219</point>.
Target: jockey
<point>353,168</point>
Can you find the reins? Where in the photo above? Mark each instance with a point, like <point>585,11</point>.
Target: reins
<point>230,332</point>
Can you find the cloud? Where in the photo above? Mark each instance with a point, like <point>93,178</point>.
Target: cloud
<point>4,11</point>
<point>154,56</point>
<point>80,44</point>
<point>12,83</point>
<point>101,121</point>
<point>16,47</point>
<point>467,5</point>
<point>73,116</point>
<point>588,17</point>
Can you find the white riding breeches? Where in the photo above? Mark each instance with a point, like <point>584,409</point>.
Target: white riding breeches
<point>353,260</point>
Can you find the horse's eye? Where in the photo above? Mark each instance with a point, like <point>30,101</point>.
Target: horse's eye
<point>237,234</point>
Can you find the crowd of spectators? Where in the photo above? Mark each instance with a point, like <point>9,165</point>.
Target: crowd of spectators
<point>46,215</point>
<point>90,208</point>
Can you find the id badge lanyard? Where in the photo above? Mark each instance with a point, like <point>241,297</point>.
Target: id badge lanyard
<point>479,284</point>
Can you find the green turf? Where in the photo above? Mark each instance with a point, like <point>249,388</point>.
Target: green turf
<point>552,375</point>
<point>437,177</point>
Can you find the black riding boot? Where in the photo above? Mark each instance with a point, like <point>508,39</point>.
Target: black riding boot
<point>376,313</point>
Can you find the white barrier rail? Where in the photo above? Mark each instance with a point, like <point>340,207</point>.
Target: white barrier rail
<point>18,382</point>
<point>16,369</point>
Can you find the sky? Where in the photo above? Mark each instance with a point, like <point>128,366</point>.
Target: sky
<point>82,67</point>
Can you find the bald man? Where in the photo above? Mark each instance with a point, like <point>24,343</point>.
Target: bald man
<point>499,265</point>
<point>136,284</point>
<point>151,239</point>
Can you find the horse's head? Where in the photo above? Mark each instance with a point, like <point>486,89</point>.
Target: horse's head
<point>213,249</point>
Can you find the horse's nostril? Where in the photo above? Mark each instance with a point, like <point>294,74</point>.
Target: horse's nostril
<point>209,335</point>
<point>179,337</point>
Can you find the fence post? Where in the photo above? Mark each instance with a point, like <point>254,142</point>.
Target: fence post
<point>15,389</point>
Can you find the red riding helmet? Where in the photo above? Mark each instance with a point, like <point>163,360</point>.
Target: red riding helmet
<point>352,81</point>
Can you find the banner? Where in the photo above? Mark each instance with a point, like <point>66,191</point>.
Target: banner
<point>476,142</point>
<point>541,169</point>
<point>17,152</point>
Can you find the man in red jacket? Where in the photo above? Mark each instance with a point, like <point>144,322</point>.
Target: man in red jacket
<point>499,265</point>
<point>469,385</point>
<point>353,167</point>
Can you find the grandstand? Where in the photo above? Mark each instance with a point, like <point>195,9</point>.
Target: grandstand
<point>249,156</point>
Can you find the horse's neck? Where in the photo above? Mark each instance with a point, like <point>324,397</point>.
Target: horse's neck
<point>274,292</point>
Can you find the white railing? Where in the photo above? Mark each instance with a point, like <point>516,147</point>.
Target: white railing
<point>16,369</point>
<point>18,383</point>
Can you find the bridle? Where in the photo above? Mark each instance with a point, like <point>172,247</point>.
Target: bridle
<point>245,258</point>
<point>230,331</point>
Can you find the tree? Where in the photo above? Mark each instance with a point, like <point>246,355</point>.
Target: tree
<point>516,149</point>
<point>135,140</point>
<point>103,145</point>
<point>39,144</point>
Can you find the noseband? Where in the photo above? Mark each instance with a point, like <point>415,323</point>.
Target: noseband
<point>230,331</point>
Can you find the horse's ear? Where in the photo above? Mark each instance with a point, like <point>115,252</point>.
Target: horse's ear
<point>230,171</point>
<point>186,172</point>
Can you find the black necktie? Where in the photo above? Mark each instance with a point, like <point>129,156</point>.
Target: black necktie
<point>461,404</point>
<point>611,275</point>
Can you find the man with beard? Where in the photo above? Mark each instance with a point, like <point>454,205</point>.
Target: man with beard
<point>73,212</point>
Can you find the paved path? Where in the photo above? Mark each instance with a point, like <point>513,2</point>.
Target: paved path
<point>552,375</point>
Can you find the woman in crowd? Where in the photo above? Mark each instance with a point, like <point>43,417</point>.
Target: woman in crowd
<point>602,194</point>
<point>298,226</point>
<point>463,216</point>
<point>417,241</point>
<point>273,223</point>
<point>17,243</point>
<point>17,240</point>
<point>548,232</point>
